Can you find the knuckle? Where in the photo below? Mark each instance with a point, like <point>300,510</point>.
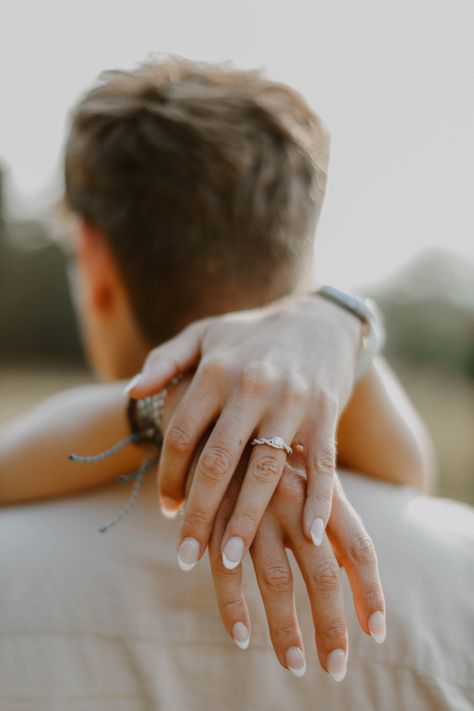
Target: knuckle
<point>361,548</point>
<point>324,462</point>
<point>197,518</point>
<point>335,629</point>
<point>231,607</point>
<point>326,576</point>
<point>373,597</point>
<point>286,630</point>
<point>295,390</point>
<point>213,368</point>
<point>256,378</point>
<point>266,469</point>
<point>245,521</point>
<point>323,504</point>
<point>291,487</point>
<point>179,439</point>
<point>214,464</point>
<point>277,578</point>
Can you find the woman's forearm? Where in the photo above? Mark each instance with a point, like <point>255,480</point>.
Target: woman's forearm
<point>381,434</point>
<point>86,420</point>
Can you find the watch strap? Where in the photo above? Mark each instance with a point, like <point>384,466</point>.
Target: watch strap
<point>373,330</point>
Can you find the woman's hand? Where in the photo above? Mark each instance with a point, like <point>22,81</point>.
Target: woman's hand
<point>347,544</point>
<point>283,370</point>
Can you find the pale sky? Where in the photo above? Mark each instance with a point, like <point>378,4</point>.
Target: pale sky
<point>392,80</point>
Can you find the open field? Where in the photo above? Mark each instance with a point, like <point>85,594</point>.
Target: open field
<point>445,401</point>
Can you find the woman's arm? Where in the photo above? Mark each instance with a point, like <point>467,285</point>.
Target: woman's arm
<point>381,434</point>
<point>86,420</point>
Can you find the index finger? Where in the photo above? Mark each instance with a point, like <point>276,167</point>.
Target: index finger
<point>194,414</point>
<point>168,360</point>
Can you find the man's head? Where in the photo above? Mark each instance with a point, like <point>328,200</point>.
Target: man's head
<point>198,189</point>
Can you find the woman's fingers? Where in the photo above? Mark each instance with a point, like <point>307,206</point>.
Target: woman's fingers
<point>172,358</point>
<point>215,467</point>
<point>228,583</point>
<point>220,457</point>
<point>319,442</point>
<point>263,473</point>
<point>277,589</point>
<point>322,577</point>
<point>182,437</point>
<point>356,552</point>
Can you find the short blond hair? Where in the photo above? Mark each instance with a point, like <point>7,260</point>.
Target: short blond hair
<point>206,180</point>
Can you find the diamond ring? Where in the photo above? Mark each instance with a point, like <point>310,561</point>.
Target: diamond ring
<point>275,442</point>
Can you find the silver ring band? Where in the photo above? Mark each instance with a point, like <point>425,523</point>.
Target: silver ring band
<point>275,442</point>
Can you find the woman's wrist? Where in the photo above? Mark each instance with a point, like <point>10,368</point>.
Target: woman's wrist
<point>371,326</point>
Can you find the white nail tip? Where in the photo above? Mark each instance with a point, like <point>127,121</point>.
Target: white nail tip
<point>317,531</point>
<point>244,644</point>
<point>295,656</point>
<point>379,638</point>
<point>240,629</point>
<point>337,664</point>
<point>167,513</point>
<point>298,672</point>
<point>229,564</point>
<point>377,627</point>
<point>185,566</point>
<point>130,385</point>
<point>188,554</point>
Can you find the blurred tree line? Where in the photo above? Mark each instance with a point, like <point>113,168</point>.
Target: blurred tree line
<point>37,321</point>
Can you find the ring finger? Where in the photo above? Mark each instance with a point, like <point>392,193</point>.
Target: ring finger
<point>264,471</point>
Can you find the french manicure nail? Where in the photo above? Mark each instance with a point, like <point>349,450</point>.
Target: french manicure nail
<point>188,554</point>
<point>337,664</point>
<point>131,384</point>
<point>317,531</point>
<point>169,507</point>
<point>296,661</point>
<point>233,552</point>
<point>377,627</point>
<point>241,635</point>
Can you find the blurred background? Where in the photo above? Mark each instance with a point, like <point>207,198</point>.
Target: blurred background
<point>394,83</point>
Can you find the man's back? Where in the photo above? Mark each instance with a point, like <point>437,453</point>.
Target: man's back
<point>108,622</point>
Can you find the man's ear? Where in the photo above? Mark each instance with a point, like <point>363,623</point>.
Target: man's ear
<point>97,268</point>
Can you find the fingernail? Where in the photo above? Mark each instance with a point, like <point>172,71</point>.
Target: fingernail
<point>377,628</point>
<point>130,385</point>
<point>241,635</point>
<point>337,664</point>
<point>169,507</point>
<point>317,531</point>
<point>296,661</point>
<point>233,552</point>
<point>188,553</point>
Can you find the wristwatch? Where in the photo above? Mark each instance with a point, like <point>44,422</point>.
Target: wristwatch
<point>373,329</point>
